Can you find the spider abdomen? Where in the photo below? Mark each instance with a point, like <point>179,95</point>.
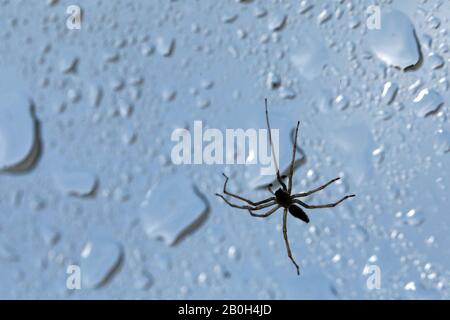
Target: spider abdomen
<point>298,212</point>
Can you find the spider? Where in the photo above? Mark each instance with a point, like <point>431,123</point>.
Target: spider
<point>283,197</point>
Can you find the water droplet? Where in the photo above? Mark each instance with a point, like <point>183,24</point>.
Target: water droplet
<point>259,12</point>
<point>165,46</point>
<point>273,80</point>
<point>19,144</point>
<point>202,278</point>
<point>73,95</point>
<point>341,102</point>
<point>414,87</point>
<point>76,183</point>
<point>395,42</point>
<point>286,93</point>
<point>203,103</point>
<point>7,253</point>
<point>99,260</point>
<point>435,60</point>
<point>324,16</point>
<point>444,83</point>
<point>336,258</point>
<point>143,280</point>
<point>389,91</point>
<point>277,21</point>
<point>229,18</point>
<point>442,141</point>
<point>164,216</point>
<point>378,155</point>
<point>147,49</point>
<point>414,218</point>
<point>305,6</point>
<point>427,102</point>
<point>69,63</point>
<point>433,22</point>
<point>169,95</point>
<point>233,253</point>
<point>311,175</point>
<point>410,286</point>
<point>49,234</point>
<point>95,95</point>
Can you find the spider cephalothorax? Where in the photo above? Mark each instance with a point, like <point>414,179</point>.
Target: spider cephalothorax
<point>288,202</point>
<point>283,197</point>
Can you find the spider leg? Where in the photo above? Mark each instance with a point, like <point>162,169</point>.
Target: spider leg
<point>291,172</point>
<point>280,181</point>
<point>304,194</point>
<point>264,215</point>
<point>241,198</point>
<point>330,205</point>
<point>245,207</point>
<point>287,241</point>
<point>269,187</point>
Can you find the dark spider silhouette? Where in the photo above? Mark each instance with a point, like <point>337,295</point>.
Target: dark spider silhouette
<point>283,197</point>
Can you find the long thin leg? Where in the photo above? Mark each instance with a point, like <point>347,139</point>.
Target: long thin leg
<point>287,241</point>
<point>245,207</point>
<point>241,198</point>
<point>330,205</point>
<point>304,194</point>
<point>291,173</point>
<point>273,149</point>
<point>264,215</point>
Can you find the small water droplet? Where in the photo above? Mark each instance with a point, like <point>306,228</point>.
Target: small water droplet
<point>143,280</point>
<point>277,21</point>
<point>305,6</point>
<point>435,60</point>
<point>286,93</point>
<point>442,141</point>
<point>414,218</point>
<point>169,95</point>
<point>273,80</point>
<point>233,253</point>
<point>389,91</point>
<point>69,63</point>
<point>410,286</point>
<point>341,102</point>
<point>165,46</point>
<point>324,16</point>
<point>433,22</point>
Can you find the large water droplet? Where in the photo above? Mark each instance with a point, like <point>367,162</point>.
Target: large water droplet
<point>19,141</point>
<point>164,216</point>
<point>100,259</point>
<point>395,42</point>
<point>428,101</point>
<point>76,183</point>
